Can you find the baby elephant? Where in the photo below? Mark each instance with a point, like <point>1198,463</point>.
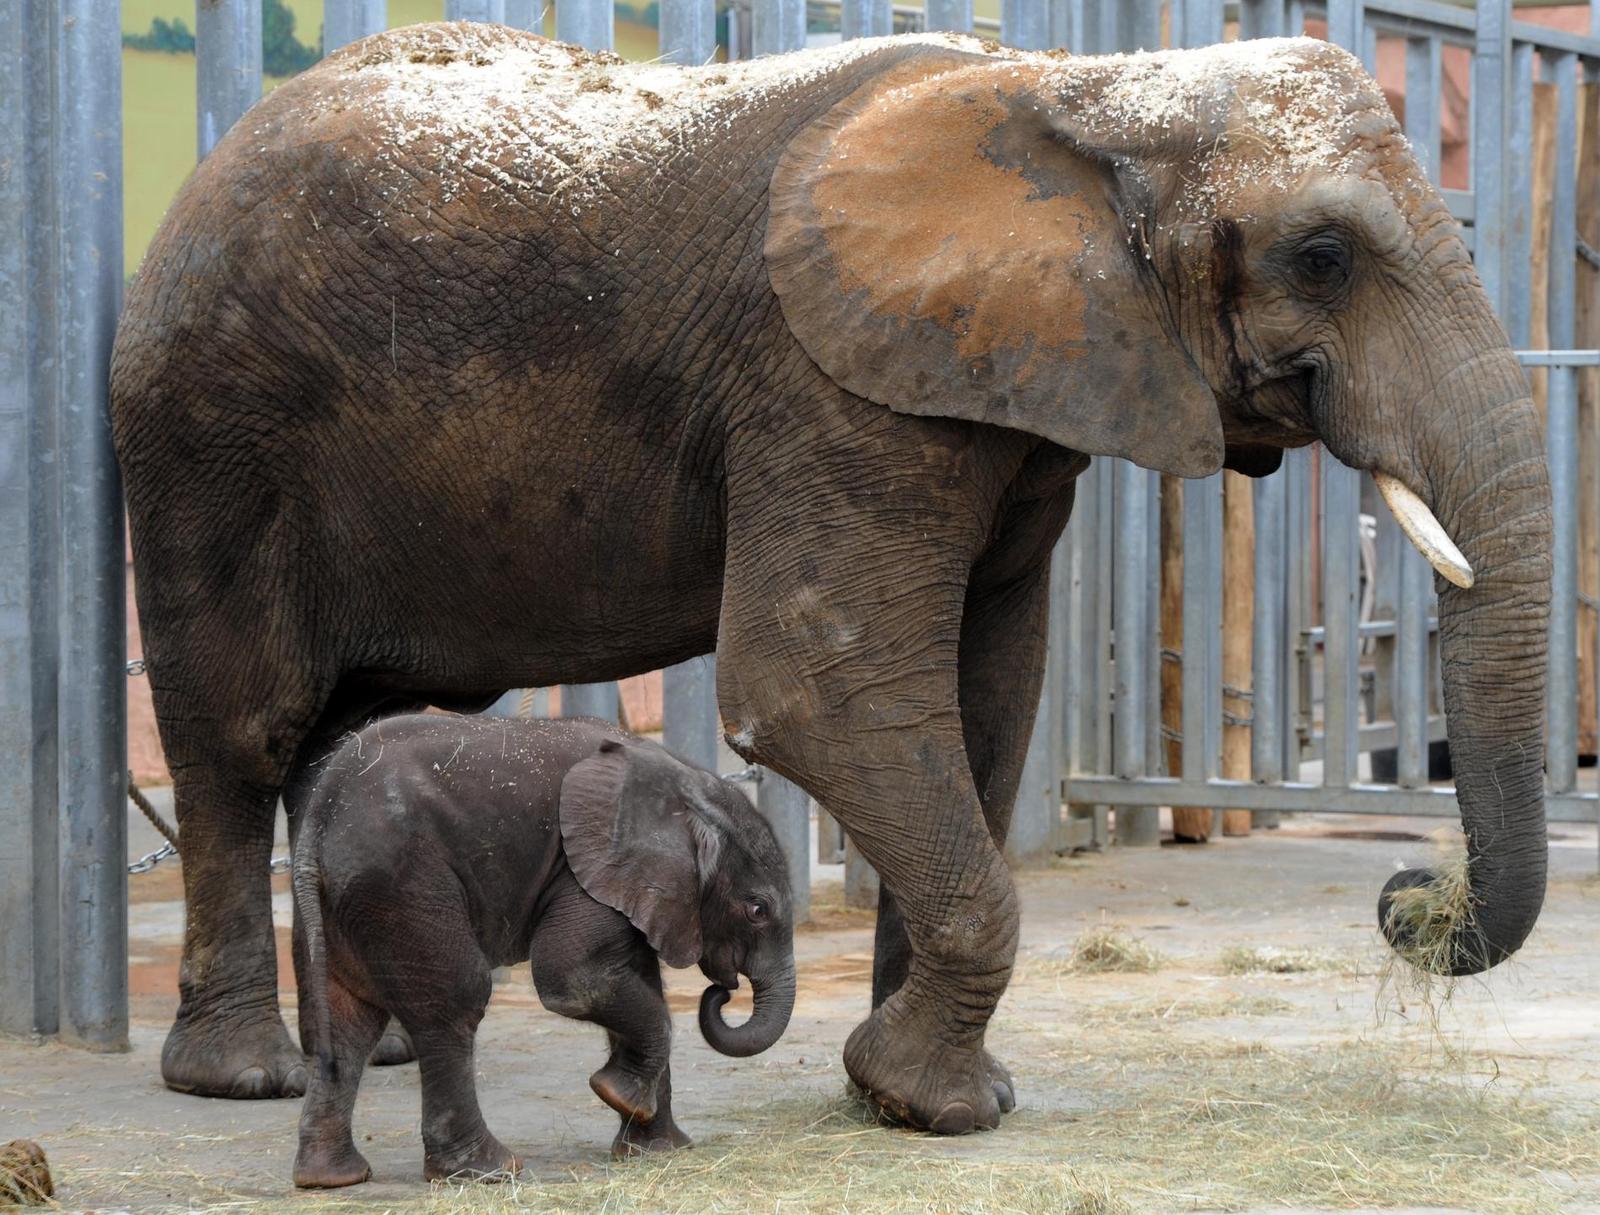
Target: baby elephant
<point>430,849</point>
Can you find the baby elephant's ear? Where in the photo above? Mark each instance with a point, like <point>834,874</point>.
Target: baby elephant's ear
<point>632,843</point>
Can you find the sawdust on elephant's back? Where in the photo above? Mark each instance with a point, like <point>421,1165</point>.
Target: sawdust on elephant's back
<point>919,216</point>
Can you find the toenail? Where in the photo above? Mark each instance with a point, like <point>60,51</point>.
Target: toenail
<point>250,1083</point>
<point>954,1119</point>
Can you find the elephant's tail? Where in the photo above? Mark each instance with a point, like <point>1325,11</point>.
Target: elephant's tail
<point>306,880</point>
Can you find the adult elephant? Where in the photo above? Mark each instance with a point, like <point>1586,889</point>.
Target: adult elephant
<point>469,361</point>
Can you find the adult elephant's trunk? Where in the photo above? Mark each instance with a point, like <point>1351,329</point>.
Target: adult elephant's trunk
<point>1490,491</point>
<point>773,1002</point>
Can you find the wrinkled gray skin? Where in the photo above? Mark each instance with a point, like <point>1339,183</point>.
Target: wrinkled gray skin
<point>430,849</point>
<point>404,423</point>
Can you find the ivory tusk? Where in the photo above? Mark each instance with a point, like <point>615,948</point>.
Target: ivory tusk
<point>1424,531</point>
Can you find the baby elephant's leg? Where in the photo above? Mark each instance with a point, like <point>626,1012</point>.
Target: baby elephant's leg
<point>327,1156</point>
<point>590,964</point>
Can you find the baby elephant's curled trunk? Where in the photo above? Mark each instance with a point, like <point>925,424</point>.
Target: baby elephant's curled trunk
<point>773,1002</point>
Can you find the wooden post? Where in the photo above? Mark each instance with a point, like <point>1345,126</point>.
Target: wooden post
<point>1542,179</point>
<point>1588,335</point>
<point>1190,824</point>
<point>1238,619</point>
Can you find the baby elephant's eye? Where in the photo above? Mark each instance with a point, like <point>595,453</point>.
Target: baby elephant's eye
<point>756,910</point>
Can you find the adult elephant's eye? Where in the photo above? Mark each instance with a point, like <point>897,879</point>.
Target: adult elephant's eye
<point>1323,265</point>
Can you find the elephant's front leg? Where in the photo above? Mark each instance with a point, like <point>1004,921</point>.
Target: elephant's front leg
<point>840,670</point>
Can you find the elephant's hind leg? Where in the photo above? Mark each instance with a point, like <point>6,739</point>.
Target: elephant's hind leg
<point>327,1156</point>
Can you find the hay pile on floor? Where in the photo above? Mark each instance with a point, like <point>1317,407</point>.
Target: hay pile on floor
<point>1103,950</point>
<point>24,1175</point>
<point>1271,960</point>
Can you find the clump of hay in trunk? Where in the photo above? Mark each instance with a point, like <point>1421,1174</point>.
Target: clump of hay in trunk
<point>1427,920</point>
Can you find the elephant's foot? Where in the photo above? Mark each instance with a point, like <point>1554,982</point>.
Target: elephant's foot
<point>393,1048</point>
<point>486,1160</point>
<point>636,1138</point>
<point>318,1168</point>
<point>917,1079</point>
<point>232,1055</point>
<point>632,1097</point>
<point>1005,1088</point>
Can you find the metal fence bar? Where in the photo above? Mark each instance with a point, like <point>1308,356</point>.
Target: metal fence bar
<point>524,15</point>
<point>1202,636</point>
<point>474,10</point>
<point>1490,80</point>
<point>787,809</point>
<point>690,725</point>
<point>1411,670</point>
<point>1261,18</point>
<point>1155,754</point>
<point>1297,595</point>
<point>1130,605</point>
<point>227,44</point>
<point>346,21</point>
<point>1561,757</point>
<point>779,25</point>
<point>1341,570</point>
<point>28,858</point>
<point>1423,73</point>
<point>688,31</point>
<point>1266,648</point>
<point>1202,22</point>
<point>591,700</point>
<point>954,15</point>
<point>93,687</point>
<point>865,18</point>
<point>1025,24</point>
<point>589,23</point>
<point>1519,198</point>
<point>1347,21</point>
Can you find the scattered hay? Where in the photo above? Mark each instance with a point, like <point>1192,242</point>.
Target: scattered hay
<point>1271,960</point>
<point>1185,1008</point>
<point>1107,949</point>
<point>830,913</point>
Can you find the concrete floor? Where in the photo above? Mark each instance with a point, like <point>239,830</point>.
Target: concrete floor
<point>118,1140</point>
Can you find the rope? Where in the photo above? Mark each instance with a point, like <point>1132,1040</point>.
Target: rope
<point>168,831</point>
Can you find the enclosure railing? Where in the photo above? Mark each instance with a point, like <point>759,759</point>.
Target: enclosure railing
<point>63,933</point>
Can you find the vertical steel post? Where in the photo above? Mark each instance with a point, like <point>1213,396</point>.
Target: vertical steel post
<point>29,959</point>
<point>1561,757</point>
<point>778,26</point>
<point>690,726</point>
<point>347,21</point>
<point>1136,825</point>
<point>1297,597</point>
<point>954,15</point>
<point>1341,572</point>
<point>865,18</point>
<point>1491,65</point>
<point>1422,101</point>
<point>1202,628</point>
<point>1517,312</point>
<point>524,15</point>
<point>1411,671</point>
<point>474,10</point>
<point>787,809</point>
<point>93,689</point>
<point>227,44</point>
<point>1261,18</point>
<point>688,31</point>
<point>589,23</point>
<point>1202,22</point>
<point>591,700</point>
<point>1155,752</point>
<point>1025,24</point>
<point>1347,22</point>
<point>1138,25</point>
<point>1266,643</point>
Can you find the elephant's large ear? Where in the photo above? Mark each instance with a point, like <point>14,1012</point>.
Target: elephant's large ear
<point>634,843</point>
<point>942,247</point>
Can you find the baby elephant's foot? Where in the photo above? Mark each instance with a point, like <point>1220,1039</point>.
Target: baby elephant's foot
<point>319,1168</point>
<point>489,1160</point>
<point>636,1138</point>
<point>630,1096</point>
